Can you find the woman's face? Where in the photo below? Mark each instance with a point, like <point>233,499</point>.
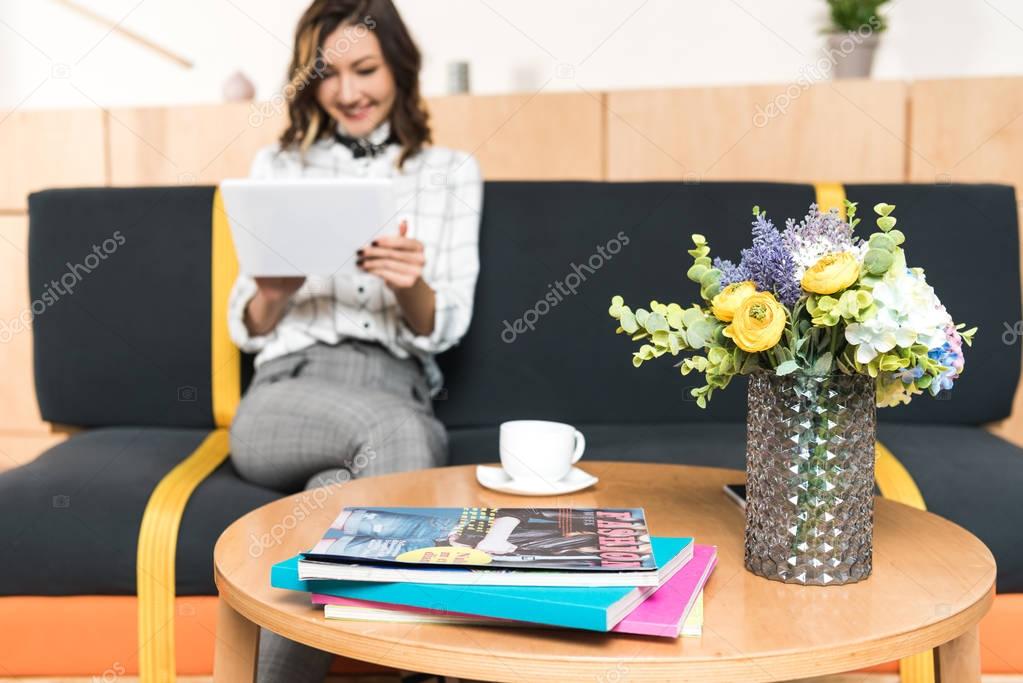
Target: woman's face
<point>357,88</point>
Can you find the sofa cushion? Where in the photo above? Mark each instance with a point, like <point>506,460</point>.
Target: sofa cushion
<point>69,520</point>
<point>973,478</point>
<point>121,280</point>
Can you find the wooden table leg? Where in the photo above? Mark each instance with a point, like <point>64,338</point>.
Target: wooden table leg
<point>237,646</point>
<point>958,660</point>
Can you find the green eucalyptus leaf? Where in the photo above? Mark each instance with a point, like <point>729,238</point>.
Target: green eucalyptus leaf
<point>691,315</point>
<point>674,315</point>
<point>877,261</point>
<point>710,277</point>
<point>786,368</point>
<point>655,322</point>
<point>628,321</point>
<point>879,240</point>
<point>674,343</point>
<point>897,236</point>
<point>886,223</point>
<point>823,364</point>
<point>696,271</point>
<point>883,209</point>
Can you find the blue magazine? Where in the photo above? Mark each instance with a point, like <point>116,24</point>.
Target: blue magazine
<point>595,609</point>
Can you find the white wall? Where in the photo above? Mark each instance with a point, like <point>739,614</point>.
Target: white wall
<point>51,57</point>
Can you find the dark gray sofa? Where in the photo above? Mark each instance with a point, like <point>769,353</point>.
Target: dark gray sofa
<point>127,355</point>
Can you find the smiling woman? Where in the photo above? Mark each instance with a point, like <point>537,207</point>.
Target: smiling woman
<point>344,367</point>
<point>366,70</point>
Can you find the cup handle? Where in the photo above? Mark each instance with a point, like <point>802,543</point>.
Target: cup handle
<point>580,446</point>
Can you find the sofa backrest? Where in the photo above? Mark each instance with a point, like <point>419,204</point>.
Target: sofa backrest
<point>533,351</point>
<point>121,285</point>
<point>122,333</point>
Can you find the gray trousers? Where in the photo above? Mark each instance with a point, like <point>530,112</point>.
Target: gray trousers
<point>324,415</point>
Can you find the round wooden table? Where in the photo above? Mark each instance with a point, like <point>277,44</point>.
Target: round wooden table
<point>932,582</point>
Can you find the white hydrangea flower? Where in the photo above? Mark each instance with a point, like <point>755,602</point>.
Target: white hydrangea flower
<point>907,312</point>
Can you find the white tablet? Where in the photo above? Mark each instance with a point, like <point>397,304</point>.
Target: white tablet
<point>306,226</point>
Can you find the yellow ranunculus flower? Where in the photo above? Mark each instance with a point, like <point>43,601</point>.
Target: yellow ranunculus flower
<point>724,305</point>
<point>832,273</point>
<point>758,323</point>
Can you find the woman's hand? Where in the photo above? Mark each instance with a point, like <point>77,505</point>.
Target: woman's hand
<point>397,259</point>
<point>267,307</point>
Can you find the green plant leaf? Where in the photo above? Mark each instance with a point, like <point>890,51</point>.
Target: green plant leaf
<point>786,368</point>
<point>886,223</point>
<point>628,321</point>
<point>823,364</point>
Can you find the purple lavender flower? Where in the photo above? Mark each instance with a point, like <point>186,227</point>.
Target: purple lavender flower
<point>767,264</point>
<point>816,235</point>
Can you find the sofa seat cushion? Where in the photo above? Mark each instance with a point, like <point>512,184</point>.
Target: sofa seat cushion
<point>973,478</point>
<point>965,473</point>
<point>69,520</point>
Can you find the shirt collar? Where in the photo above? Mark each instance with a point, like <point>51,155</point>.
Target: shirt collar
<point>377,136</point>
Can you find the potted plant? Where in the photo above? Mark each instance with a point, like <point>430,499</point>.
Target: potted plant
<point>853,36</point>
<point>827,326</point>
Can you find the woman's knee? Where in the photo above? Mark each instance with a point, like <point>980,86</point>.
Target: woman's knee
<point>401,443</point>
<point>274,434</point>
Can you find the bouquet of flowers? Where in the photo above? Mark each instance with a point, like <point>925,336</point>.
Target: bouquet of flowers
<point>811,298</point>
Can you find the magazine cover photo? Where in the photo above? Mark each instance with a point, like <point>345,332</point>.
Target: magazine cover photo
<point>589,539</point>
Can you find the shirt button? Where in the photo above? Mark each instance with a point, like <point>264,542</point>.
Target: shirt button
<point>366,325</point>
<point>361,289</point>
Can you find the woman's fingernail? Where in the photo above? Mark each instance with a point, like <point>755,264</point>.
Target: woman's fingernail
<point>374,243</point>
<point>359,252</point>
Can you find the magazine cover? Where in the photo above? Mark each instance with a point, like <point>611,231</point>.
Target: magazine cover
<point>614,539</point>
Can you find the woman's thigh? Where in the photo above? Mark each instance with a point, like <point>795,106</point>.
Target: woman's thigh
<point>288,430</point>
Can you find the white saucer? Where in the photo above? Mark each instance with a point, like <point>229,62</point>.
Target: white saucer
<point>497,479</point>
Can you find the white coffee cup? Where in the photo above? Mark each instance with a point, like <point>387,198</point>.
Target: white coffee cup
<point>540,451</point>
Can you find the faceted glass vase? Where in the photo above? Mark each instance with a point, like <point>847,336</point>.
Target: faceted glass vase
<point>810,477</point>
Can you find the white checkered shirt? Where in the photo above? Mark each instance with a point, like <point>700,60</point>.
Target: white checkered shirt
<point>440,193</point>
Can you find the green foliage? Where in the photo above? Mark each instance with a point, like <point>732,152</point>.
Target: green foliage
<point>851,15</point>
<point>702,272</point>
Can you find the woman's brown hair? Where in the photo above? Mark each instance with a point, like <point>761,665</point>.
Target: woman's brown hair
<point>307,120</point>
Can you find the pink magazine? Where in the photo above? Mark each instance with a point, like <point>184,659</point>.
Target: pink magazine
<point>661,614</point>
<point>664,612</point>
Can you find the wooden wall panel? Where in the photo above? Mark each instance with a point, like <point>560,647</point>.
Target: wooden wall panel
<point>188,145</point>
<point>851,131</point>
<point>546,136</point>
<point>966,131</point>
<point>18,409</point>
<point>41,149</point>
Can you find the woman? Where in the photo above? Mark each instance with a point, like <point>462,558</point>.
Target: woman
<point>345,369</point>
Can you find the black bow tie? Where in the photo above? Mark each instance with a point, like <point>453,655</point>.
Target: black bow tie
<point>361,147</point>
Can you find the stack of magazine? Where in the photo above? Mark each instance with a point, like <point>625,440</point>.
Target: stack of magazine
<point>596,569</point>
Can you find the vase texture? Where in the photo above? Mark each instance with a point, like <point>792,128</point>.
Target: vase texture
<point>810,477</point>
